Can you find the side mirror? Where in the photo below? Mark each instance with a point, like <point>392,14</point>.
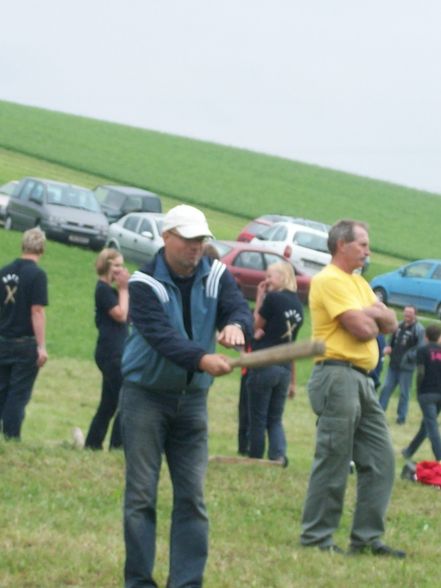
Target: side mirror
<point>36,199</point>
<point>147,234</point>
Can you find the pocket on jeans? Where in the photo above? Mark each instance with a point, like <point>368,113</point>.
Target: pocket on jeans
<point>332,435</point>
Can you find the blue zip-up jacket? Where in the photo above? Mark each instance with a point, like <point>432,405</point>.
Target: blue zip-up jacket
<point>159,353</point>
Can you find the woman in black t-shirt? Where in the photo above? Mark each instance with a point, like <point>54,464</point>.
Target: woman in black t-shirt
<point>111,309</point>
<point>429,393</point>
<point>278,316</point>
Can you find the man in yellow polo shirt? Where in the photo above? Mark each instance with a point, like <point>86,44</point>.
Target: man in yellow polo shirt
<point>351,425</point>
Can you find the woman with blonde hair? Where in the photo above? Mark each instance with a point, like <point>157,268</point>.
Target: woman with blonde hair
<point>111,309</point>
<point>278,316</point>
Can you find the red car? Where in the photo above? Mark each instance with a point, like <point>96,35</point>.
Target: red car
<point>248,264</point>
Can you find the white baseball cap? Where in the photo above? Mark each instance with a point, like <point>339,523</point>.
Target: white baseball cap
<point>188,221</point>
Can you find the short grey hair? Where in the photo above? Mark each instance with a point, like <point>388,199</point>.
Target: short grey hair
<point>33,241</point>
<point>343,230</point>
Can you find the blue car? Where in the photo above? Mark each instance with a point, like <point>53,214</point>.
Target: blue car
<point>417,284</point>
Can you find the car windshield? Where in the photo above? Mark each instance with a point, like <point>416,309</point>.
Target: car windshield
<point>73,197</point>
<point>222,248</point>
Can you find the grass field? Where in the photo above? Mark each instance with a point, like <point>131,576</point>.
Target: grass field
<point>229,180</point>
<point>61,508</point>
<point>60,519</point>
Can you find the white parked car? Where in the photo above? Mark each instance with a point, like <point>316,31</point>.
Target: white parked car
<point>306,248</point>
<point>5,193</point>
<point>137,235</point>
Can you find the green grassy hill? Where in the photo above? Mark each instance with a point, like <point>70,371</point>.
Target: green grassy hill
<point>225,179</point>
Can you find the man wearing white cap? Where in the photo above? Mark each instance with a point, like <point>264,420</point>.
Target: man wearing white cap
<point>177,304</point>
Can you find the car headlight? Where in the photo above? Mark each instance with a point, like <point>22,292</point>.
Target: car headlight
<point>102,229</point>
<point>56,220</point>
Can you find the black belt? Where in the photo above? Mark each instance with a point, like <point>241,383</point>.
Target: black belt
<point>344,364</point>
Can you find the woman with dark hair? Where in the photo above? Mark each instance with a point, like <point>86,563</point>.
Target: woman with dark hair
<point>278,316</point>
<point>111,309</point>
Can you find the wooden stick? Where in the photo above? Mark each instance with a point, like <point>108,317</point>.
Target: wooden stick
<point>278,354</point>
<point>246,460</point>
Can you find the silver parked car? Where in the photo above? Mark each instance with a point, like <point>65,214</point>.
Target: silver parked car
<point>137,235</point>
<point>66,212</point>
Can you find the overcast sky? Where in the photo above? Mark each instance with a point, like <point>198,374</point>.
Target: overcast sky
<point>347,84</point>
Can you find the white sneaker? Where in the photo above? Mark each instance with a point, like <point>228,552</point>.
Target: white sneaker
<point>78,438</point>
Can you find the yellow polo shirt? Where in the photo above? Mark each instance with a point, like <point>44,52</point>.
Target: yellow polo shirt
<point>333,292</point>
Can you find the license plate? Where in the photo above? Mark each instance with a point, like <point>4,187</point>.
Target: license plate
<point>78,239</point>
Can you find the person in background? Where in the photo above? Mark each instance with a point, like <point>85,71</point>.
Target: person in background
<point>111,309</point>
<point>278,316</point>
<point>23,296</point>
<point>178,302</point>
<point>376,372</point>
<point>351,424</point>
<point>402,351</point>
<point>429,393</point>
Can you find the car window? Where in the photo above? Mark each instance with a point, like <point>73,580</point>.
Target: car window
<point>437,273</point>
<point>100,194</point>
<point>55,195</point>
<point>131,223</point>
<point>114,200</point>
<point>37,193</point>
<point>25,193</point>
<point>133,203</point>
<point>270,258</point>
<point>418,270</point>
<point>221,248</point>
<point>250,260</point>
<point>279,234</point>
<point>311,241</point>
<point>145,225</point>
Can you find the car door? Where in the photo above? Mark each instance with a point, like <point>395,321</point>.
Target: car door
<point>248,269</point>
<point>410,285</point>
<point>430,294</point>
<point>127,236</point>
<point>20,209</point>
<point>145,243</point>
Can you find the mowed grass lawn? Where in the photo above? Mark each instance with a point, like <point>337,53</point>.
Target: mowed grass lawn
<point>60,519</point>
<point>61,507</point>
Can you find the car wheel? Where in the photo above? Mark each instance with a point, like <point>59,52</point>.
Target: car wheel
<point>380,293</point>
<point>112,245</point>
<point>8,223</point>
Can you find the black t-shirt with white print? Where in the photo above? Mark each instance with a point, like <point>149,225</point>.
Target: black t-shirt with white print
<point>22,285</point>
<point>283,313</point>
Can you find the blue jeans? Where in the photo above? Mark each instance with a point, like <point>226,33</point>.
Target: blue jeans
<point>243,417</point>
<point>267,392</point>
<point>430,407</point>
<point>173,423</point>
<point>18,371</point>
<point>110,367</point>
<point>395,377</point>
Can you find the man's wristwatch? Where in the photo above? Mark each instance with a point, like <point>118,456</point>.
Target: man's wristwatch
<point>238,325</point>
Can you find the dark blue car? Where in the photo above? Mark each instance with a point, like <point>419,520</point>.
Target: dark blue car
<point>417,284</point>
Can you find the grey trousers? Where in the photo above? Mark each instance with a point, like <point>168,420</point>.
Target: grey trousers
<point>351,426</point>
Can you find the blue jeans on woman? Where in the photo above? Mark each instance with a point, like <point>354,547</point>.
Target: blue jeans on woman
<point>395,377</point>
<point>173,423</point>
<point>267,392</point>
<point>430,407</point>
<point>18,371</point>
